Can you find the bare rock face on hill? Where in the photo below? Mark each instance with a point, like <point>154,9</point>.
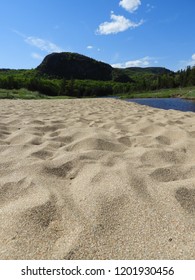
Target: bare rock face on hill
<point>72,65</point>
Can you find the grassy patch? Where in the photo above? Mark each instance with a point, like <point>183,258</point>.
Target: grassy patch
<point>188,93</point>
<point>26,94</point>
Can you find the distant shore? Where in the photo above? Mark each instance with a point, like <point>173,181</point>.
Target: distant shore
<point>184,93</point>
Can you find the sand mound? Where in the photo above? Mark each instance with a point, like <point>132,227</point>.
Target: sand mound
<point>96,179</point>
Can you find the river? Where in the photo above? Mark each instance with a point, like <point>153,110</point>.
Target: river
<point>167,103</point>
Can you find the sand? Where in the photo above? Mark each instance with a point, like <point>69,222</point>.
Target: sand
<point>96,179</point>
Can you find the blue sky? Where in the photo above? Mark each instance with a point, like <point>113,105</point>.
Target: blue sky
<point>123,33</point>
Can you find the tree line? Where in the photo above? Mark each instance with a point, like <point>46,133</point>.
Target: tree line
<point>90,88</point>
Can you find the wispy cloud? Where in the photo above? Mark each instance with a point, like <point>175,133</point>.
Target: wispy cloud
<point>149,8</point>
<point>130,5</point>
<point>42,44</point>
<point>18,33</point>
<point>142,62</point>
<point>37,56</point>
<point>89,47</point>
<point>117,24</point>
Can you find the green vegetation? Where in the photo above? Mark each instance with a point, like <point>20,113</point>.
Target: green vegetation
<point>70,75</point>
<point>26,94</point>
<point>187,93</point>
<point>19,94</point>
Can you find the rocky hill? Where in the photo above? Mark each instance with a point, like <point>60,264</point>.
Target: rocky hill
<point>73,65</point>
<point>76,66</point>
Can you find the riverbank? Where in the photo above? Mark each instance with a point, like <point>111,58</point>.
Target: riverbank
<point>185,93</point>
<point>95,179</point>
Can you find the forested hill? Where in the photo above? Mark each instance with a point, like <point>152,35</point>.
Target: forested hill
<point>76,66</point>
<point>147,70</point>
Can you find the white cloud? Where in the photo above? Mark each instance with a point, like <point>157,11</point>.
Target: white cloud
<point>93,48</point>
<point>189,62</point>
<point>130,5</point>
<point>193,57</point>
<point>37,56</point>
<point>42,44</point>
<point>142,62</point>
<point>118,24</point>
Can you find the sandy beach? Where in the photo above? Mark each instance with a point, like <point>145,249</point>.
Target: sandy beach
<point>96,179</point>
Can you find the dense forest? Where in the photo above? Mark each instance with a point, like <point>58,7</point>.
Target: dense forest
<point>79,76</point>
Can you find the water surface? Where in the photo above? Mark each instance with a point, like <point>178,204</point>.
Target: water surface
<point>167,103</point>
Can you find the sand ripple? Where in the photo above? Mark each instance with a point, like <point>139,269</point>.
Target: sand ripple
<point>96,179</point>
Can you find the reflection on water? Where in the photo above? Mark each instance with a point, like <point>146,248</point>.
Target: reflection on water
<point>167,103</point>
